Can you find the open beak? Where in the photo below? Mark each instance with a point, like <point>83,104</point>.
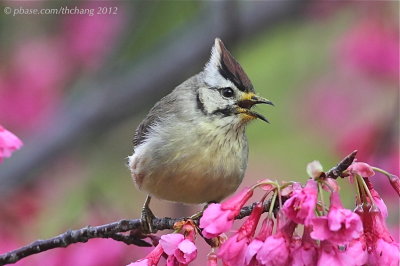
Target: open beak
<point>247,101</point>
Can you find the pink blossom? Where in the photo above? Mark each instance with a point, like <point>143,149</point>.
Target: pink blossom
<point>89,39</point>
<point>304,255</point>
<point>395,182</point>
<point>235,203</point>
<point>362,169</point>
<point>374,227</point>
<point>305,252</point>
<point>252,250</point>
<point>274,251</point>
<point>31,87</point>
<point>300,206</point>
<point>339,226</point>
<point>372,46</point>
<point>352,254</point>
<point>266,229</point>
<point>233,251</point>
<point>151,259</point>
<point>218,218</point>
<point>377,199</point>
<point>380,244</point>
<point>256,244</point>
<point>342,107</point>
<point>8,143</point>
<point>361,136</point>
<point>215,221</point>
<point>186,251</point>
<point>178,248</point>
<point>87,254</point>
<point>385,253</point>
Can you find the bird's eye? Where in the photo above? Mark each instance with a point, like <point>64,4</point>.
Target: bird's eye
<point>227,92</point>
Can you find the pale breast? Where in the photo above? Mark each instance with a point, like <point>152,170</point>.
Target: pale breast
<point>205,163</point>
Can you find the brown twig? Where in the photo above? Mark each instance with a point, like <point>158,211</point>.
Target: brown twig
<point>114,230</point>
<point>111,230</point>
<point>337,171</point>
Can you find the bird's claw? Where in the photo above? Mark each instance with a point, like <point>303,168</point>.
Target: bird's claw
<point>147,220</point>
<point>147,217</point>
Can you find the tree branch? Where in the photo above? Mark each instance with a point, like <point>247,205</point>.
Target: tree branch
<point>337,171</point>
<point>111,230</point>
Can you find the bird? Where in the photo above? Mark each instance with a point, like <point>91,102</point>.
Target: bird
<point>192,147</point>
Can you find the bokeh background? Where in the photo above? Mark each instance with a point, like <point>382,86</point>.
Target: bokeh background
<point>74,88</point>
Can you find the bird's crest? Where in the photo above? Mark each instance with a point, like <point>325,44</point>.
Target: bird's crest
<point>223,65</point>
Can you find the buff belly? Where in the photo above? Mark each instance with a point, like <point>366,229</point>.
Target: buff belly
<point>190,175</point>
<point>189,187</point>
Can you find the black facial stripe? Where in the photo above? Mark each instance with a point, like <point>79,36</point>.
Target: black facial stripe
<point>225,111</point>
<point>200,104</point>
<point>224,71</point>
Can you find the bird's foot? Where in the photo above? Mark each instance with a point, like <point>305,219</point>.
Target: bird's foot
<point>147,218</point>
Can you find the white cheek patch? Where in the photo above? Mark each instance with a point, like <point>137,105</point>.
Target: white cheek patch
<point>212,100</point>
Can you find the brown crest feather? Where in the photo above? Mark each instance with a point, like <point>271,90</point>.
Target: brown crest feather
<point>230,69</point>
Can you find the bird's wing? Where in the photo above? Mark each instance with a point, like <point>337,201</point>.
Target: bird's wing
<point>160,109</point>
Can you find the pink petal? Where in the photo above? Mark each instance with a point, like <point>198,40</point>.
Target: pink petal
<point>340,225</point>
<point>8,143</point>
<point>249,226</point>
<point>301,205</point>
<point>187,246</point>
<point>252,250</point>
<point>170,242</point>
<point>186,252</point>
<point>212,212</point>
<point>362,169</point>
<point>385,253</point>
<point>215,221</point>
<point>352,254</point>
<point>395,182</point>
<point>266,229</point>
<point>233,251</point>
<point>236,202</point>
<point>320,228</point>
<point>274,251</point>
<point>303,256</point>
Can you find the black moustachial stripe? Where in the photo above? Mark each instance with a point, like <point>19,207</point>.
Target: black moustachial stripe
<point>200,104</point>
<point>224,111</point>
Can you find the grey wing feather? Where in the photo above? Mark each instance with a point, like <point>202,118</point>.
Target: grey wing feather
<point>159,110</point>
